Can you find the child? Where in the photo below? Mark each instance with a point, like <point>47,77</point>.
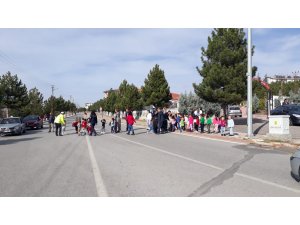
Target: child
<point>202,123</point>
<point>186,121</point>
<point>223,126</point>
<point>75,124</point>
<point>64,126</point>
<point>216,122</point>
<point>230,125</point>
<point>173,122</point>
<point>103,122</point>
<point>182,125</point>
<point>112,125</point>
<point>83,127</point>
<point>208,123</point>
<point>89,128</point>
<point>150,126</point>
<point>130,119</point>
<point>191,121</point>
<point>196,123</point>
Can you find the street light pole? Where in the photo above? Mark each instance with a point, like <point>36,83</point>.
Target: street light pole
<point>249,86</point>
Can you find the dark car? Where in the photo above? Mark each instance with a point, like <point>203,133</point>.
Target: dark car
<point>33,121</point>
<point>292,110</point>
<point>12,125</point>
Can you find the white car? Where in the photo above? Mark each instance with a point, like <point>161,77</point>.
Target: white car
<point>12,125</point>
<point>295,165</point>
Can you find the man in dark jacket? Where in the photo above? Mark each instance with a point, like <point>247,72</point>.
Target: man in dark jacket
<point>160,120</point>
<point>51,122</point>
<point>93,121</point>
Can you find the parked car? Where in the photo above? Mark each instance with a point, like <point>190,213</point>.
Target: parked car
<point>295,165</point>
<point>33,121</point>
<point>12,125</point>
<point>293,110</point>
<point>234,110</point>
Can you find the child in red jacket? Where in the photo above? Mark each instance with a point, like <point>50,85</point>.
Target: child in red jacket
<point>130,120</point>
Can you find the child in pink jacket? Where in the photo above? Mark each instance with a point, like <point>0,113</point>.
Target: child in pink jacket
<point>216,122</point>
<point>191,122</point>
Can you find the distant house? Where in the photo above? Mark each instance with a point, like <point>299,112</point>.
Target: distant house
<point>106,93</point>
<point>282,78</point>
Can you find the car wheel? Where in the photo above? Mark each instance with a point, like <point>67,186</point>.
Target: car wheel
<point>24,131</point>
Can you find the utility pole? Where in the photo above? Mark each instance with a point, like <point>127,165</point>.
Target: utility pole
<point>249,86</point>
<point>52,96</point>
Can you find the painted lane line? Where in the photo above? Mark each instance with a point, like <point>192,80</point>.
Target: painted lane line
<point>101,189</point>
<point>211,166</point>
<point>267,182</point>
<point>212,139</point>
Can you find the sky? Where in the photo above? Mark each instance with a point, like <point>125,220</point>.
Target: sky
<point>83,63</point>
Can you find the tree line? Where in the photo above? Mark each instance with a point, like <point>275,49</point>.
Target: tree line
<point>21,102</point>
<point>155,91</point>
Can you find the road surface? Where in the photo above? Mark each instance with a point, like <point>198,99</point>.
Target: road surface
<point>42,164</point>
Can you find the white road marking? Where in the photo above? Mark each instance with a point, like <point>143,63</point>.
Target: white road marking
<point>101,189</point>
<point>212,139</point>
<point>211,166</point>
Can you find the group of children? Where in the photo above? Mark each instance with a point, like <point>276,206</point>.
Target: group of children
<point>83,127</point>
<point>192,122</point>
<point>213,123</point>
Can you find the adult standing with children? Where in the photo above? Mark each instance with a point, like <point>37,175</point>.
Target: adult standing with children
<point>93,121</point>
<point>59,121</point>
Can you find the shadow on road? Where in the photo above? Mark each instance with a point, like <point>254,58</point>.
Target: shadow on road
<point>14,141</point>
<point>243,121</point>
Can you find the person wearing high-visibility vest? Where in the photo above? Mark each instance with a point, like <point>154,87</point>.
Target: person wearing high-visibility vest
<point>59,121</point>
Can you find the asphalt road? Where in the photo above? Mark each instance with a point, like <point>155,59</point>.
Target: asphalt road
<point>41,164</point>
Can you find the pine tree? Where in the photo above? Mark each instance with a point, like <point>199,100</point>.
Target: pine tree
<point>156,90</point>
<point>224,68</point>
<point>15,96</point>
<point>35,105</point>
<point>129,97</point>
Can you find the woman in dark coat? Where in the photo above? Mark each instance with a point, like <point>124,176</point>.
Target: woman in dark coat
<point>93,121</point>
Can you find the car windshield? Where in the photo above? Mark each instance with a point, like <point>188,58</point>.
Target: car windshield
<point>30,118</point>
<point>234,108</point>
<point>10,121</point>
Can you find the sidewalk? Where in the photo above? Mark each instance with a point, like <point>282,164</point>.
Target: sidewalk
<point>239,137</point>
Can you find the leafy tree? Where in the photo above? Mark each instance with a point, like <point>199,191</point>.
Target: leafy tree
<point>109,103</point>
<point>224,68</point>
<point>35,105</point>
<point>56,105</point>
<point>156,90</point>
<point>188,103</point>
<point>295,96</point>
<point>284,88</point>
<point>14,94</point>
